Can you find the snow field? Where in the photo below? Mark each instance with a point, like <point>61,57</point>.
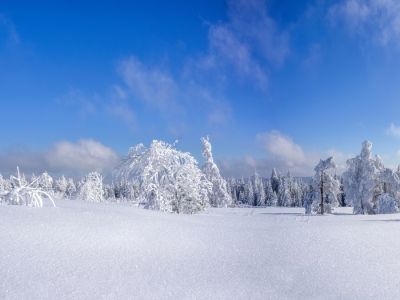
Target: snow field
<point>83,250</point>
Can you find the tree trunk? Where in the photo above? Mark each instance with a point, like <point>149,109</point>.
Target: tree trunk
<point>322,194</point>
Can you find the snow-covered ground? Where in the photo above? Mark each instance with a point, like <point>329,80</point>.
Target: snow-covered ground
<point>85,250</point>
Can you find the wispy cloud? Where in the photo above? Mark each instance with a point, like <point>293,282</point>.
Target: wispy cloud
<point>242,48</point>
<point>113,102</point>
<point>393,130</point>
<point>252,23</point>
<point>375,19</point>
<point>248,43</point>
<point>152,85</point>
<point>8,28</point>
<point>84,104</point>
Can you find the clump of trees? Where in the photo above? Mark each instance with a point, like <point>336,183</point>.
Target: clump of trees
<point>163,178</point>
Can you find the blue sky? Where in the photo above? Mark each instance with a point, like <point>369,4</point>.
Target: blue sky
<point>274,83</point>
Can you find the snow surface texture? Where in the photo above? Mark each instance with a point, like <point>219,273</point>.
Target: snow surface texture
<point>82,250</point>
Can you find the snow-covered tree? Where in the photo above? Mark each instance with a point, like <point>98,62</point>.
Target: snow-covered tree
<point>271,198</point>
<point>326,187</point>
<point>296,193</point>
<point>259,191</point>
<point>386,204</point>
<point>61,185</point>
<point>5,184</point>
<point>45,182</point>
<point>284,196</point>
<point>249,192</point>
<point>361,179</point>
<point>166,179</point>
<point>219,196</point>
<point>71,188</point>
<point>275,181</point>
<point>91,188</point>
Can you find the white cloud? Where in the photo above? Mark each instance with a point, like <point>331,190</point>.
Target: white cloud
<point>283,154</point>
<point>85,155</point>
<point>376,19</point>
<point>282,148</point>
<point>64,157</point>
<point>393,130</point>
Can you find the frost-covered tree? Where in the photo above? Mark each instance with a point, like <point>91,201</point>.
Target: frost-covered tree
<point>250,195</point>
<point>296,193</point>
<point>360,180</point>
<point>386,204</point>
<point>61,185</point>
<point>284,196</point>
<point>271,198</point>
<point>71,188</point>
<point>259,191</point>
<point>166,179</point>
<point>91,188</point>
<point>326,187</point>
<point>45,182</point>
<point>275,181</point>
<point>219,196</point>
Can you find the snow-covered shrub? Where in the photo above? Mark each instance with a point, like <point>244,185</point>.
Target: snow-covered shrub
<point>219,195</point>
<point>386,204</point>
<point>23,193</point>
<point>91,188</point>
<point>166,179</point>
